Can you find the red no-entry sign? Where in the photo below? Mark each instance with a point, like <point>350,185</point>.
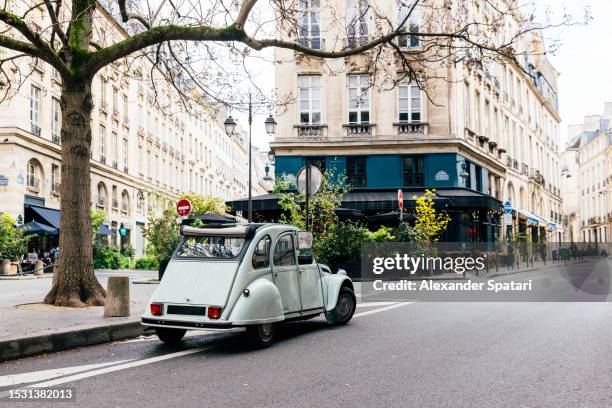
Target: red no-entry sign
<point>183,207</point>
<point>400,199</point>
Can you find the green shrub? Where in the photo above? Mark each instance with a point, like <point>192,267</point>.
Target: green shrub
<point>12,241</point>
<point>109,258</point>
<point>342,246</point>
<point>383,234</point>
<point>405,233</point>
<point>147,262</point>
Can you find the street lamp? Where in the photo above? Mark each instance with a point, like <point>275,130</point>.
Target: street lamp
<point>270,125</point>
<point>464,174</point>
<point>267,176</point>
<point>271,156</point>
<point>230,126</point>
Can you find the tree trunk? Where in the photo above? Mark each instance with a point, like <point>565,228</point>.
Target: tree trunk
<point>75,284</point>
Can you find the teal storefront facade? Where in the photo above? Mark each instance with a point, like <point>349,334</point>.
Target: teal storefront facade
<point>440,170</point>
<point>461,187</point>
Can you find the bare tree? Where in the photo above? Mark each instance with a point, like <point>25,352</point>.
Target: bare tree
<point>183,39</point>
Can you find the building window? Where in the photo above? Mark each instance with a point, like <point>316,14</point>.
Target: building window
<point>357,22</point>
<point>35,106</point>
<point>125,202</point>
<point>310,99</point>
<point>356,171</point>
<point>409,102</point>
<point>101,195</point>
<point>115,149</point>
<point>124,152</point>
<point>140,203</point>
<point>359,99</point>
<point>102,143</point>
<point>414,174</point>
<point>103,93</point>
<point>125,106</point>
<point>55,179</point>
<point>412,25</point>
<point>55,117</point>
<point>33,172</point>
<point>309,30</point>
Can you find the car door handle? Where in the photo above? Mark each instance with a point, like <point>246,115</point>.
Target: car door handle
<point>301,270</point>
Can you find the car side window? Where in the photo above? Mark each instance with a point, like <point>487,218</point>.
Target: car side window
<point>261,254</point>
<point>284,251</point>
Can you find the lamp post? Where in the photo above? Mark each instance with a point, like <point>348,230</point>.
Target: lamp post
<point>230,127</point>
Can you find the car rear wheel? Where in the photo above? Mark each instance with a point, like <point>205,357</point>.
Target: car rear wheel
<point>261,335</point>
<point>345,307</point>
<point>170,336</point>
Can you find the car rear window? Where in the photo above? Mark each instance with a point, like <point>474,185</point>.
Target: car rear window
<point>211,247</point>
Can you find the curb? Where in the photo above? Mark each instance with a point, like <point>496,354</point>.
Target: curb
<point>67,340</point>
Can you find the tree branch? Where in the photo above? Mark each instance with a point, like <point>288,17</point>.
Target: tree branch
<point>127,16</point>
<point>39,48</point>
<point>56,27</point>
<point>243,14</point>
<point>20,46</point>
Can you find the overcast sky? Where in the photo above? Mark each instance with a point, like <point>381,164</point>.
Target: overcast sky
<point>583,60</point>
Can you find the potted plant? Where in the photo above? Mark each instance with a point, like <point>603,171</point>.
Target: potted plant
<point>12,245</point>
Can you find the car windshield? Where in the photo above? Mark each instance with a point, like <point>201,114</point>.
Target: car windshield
<point>211,247</point>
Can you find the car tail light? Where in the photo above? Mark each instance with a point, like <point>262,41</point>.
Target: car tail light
<point>214,312</point>
<point>157,309</point>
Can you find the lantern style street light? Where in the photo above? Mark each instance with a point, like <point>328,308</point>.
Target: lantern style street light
<point>230,127</point>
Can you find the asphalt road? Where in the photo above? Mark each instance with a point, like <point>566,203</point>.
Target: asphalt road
<point>390,355</point>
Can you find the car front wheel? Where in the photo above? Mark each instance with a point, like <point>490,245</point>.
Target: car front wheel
<point>345,308</point>
<point>261,335</point>
<point>170,336</point>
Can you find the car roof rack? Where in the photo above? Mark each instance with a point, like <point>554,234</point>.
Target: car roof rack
<point>212,220</point>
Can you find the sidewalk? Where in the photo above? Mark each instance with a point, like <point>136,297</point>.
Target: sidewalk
<point>28,327</point>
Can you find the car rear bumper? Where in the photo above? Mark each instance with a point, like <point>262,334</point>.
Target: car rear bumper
<point>178,324</point>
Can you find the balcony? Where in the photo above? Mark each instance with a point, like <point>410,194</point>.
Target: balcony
<point>116,112</point>
<point>314,132</point>
<point>359,129</point>
<point>509,161</point>
<point>55,188</point>
<point>103,106</point>
<point>126,169</point>
<point>115,203</point>
<point>411,129</point>
<point>101,201</point>
<point>525,169</point>
<point>33,183</point>
<point>35,130</point>
<point>115,165</point>
<point>102,159</point>
<point>56,139</point>
<point>126,120</point>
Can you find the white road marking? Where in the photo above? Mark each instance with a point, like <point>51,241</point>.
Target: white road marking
<point>118,366</point>
<point>374,304</point>
<point>382,309</point>
<point>15,379</point>
<point>112,369</point>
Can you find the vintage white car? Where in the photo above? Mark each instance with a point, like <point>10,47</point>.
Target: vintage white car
<point>249,275</point>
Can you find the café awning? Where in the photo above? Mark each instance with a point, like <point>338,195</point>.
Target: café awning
<point>37,228</point>
<point>49,216</point>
